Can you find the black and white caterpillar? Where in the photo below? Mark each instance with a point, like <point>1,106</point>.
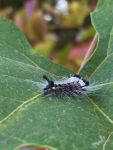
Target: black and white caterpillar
<point>73,86</point>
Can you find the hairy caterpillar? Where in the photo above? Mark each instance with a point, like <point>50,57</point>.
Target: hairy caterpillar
<point>73,86</point>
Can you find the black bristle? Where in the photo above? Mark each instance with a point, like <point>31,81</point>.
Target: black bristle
<point>77,75</point>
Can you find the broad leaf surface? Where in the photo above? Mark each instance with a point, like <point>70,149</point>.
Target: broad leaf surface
<point>79,123</point>
<point>102,20</point>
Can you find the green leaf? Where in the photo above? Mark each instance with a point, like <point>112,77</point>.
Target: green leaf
<point>102,20</point>
<point>29,118</point>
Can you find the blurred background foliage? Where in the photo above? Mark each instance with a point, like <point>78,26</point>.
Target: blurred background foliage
<point>57,29</point>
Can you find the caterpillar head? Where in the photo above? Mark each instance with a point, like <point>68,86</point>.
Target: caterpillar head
<point>50,87</point>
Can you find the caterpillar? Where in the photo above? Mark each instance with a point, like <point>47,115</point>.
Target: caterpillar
<point>73,86</point>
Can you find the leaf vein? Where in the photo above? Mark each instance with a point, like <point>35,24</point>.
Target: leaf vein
<point>19,107</point>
